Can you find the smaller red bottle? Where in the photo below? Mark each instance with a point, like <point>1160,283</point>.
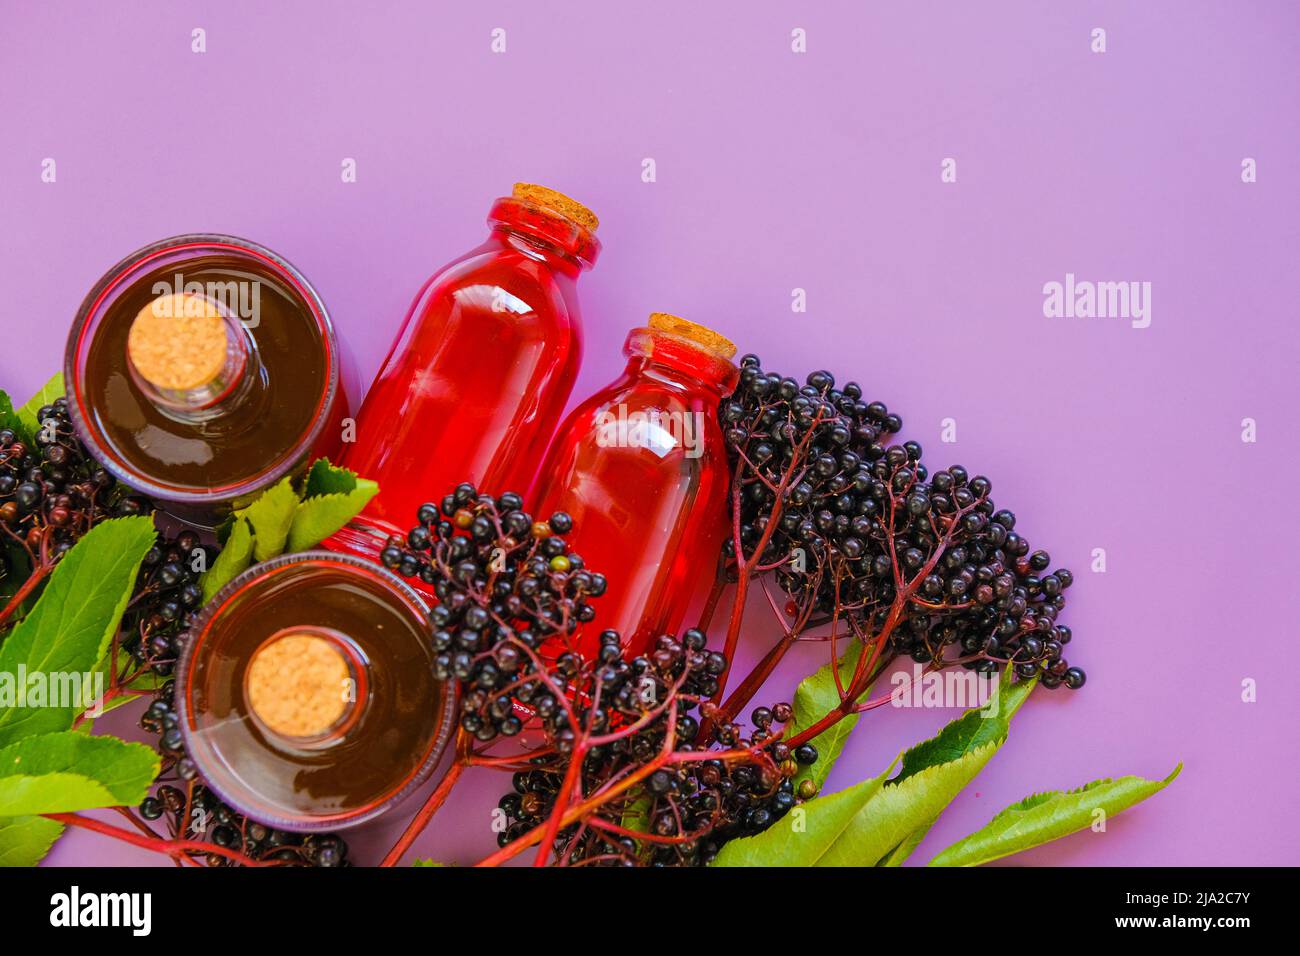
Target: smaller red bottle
<point>642,469</point>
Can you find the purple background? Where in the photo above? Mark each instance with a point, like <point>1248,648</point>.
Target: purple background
<point>776,171</point>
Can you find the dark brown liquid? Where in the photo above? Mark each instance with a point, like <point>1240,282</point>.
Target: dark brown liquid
<point>250,436</point>
<point>398,723</point>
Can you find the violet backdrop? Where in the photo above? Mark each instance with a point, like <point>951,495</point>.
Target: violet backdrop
<point>775,171</point>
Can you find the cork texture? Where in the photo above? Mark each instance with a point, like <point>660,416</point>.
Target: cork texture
<point>675,324</point>
<point>178,342</point>
<point>297,685</point>
<point>557,201</point>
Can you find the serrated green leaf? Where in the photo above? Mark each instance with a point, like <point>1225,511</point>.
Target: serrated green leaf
<point>25,840</point>
<point>65,772</point>
<point>815,697</point>
<point>898,811</point>
<point>807,833</point>
<point>269,518</point>
<point>880,822</point>
<point>48,393</point>
<point>425,862</point>
<point>236,555</point>
<point>71,626</point>
<point>327,479</point>
<point>1044,817</point>
<point>971,730</point>
<point>334,497</point>
<point>974,729</point>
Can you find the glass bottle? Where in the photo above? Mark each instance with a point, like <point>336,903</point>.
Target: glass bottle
<point>481,370</point>
<point>641,467</point>
<point>201,370</point>
<point>306,693</point>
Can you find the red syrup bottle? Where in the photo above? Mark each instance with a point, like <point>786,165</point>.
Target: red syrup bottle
<point>479,375</point>
<point>641,467</point>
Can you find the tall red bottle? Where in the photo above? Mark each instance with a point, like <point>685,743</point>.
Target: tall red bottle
<point>642,469</point>
<point>480,373</point>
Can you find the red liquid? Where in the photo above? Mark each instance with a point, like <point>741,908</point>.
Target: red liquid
<point>479,375</point>
<point>648,499</point>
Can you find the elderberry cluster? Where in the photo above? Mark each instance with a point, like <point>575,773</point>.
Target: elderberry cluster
<point>511,601</point>
<point>865,530</point>
<point>52,491</point>
<point>508,590</point>
<point>193,812</point>
<point>689,805</point>
<point>167,595</point>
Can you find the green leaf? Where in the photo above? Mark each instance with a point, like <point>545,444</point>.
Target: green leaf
<point>898,811</point>
<point>1044,817</point>
<point>48,393</point>
<point>971,730</point>
<point>880,822</point>
<point>8,417</point>
<point>807,833</point>
<point>816,696</point>
<point>327,479</point>
<point>270,517</point>
<point>235,557</point>
<point>65,772</point>
<point>425,861</point>
<point>25,840</point>
<point>71,626</point>
<point>334,496</point>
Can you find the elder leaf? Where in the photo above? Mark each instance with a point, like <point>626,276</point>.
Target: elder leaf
<point>69,771</point>
<point>235,556</point>
<point>269,518</point>
<point>815,697</point>
<point>806,834</point>
<point>25,840</point>
<point>1044,817</point>
<point>334,496</point>
<point>69,630</point>
<point>48,393</point>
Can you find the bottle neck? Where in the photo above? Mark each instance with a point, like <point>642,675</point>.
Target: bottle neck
<point>537,230</point>
<point>679,361</point>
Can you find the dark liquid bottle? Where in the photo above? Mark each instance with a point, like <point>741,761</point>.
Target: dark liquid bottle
<point>480,373</point>
<point>641,467</point>
<point>306,692</point>
<point>201,370</point>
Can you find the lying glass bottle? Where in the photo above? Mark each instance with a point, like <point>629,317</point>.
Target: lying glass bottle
<point>479,375</point>
<point>306,694</point>
<point>201,370</point>
<point>641,467</point>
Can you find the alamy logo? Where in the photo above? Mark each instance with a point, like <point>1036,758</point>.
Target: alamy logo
<point>241,298</point>
<point>1075,299</point>
<point>64,689</point>
<point>656,430</point>
<point>74,908</point>
<point>946,688</point>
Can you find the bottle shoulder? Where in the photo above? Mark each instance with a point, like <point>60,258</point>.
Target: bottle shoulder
<point>500,280</point>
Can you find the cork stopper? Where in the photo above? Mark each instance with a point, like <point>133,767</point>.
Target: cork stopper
<point>676,325</point>
<point>178,343</point>
<point>297,685</point>
<point>558,202</point>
